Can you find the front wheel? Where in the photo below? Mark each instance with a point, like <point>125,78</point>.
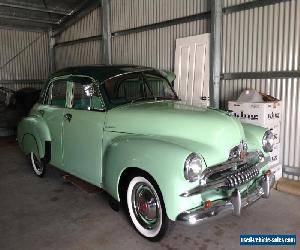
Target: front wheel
<point>37,164</point>
<point>146,208</point>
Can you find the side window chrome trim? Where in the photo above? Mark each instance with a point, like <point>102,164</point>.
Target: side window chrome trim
<point>49,84</point>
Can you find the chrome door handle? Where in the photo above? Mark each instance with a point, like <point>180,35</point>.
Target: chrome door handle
<point>68,117</point>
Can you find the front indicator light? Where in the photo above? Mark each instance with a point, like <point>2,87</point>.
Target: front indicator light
<point>208,204</point>
<point>268,173</point>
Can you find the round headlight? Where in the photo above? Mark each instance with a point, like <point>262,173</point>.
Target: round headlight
<point>192,167</point>
<point>268,141</point>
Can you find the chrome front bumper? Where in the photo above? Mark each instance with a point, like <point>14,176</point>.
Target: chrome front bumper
<point>233,205</point>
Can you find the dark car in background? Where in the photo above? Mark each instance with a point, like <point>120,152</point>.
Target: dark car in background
<point>14,105</point>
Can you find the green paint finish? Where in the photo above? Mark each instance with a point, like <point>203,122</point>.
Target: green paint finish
<point>254,135</point>
<point>207,132</point>
<point>161,158</point>
<point>82,144</point>
<point>155,136</point>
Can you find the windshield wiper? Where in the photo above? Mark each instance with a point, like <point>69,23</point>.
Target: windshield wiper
<point>165,98</point>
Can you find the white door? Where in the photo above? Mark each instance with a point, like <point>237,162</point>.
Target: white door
<point>192,69</point>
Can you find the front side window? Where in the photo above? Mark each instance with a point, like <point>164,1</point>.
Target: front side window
<point>85,95</point>
<point>56,95</point>
<point>82,96</point>
<point>138,87</point>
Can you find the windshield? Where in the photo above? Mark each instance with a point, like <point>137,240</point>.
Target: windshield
<point>136,87</point>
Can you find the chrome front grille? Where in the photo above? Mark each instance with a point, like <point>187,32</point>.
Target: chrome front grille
<point>230,174</point>
<point>241,176</point>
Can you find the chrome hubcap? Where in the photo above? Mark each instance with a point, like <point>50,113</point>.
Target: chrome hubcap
<point>145,205</point>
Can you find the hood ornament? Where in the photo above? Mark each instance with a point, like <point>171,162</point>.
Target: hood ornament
<point>239,151</point>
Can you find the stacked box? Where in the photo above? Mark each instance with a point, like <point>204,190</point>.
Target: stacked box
<point>264,114</point>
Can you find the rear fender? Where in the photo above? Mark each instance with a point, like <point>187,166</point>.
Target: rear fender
<point>34,136</point>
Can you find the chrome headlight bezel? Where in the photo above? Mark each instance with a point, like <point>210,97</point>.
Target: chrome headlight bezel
<point>268,141</point>
<point>192,167</point>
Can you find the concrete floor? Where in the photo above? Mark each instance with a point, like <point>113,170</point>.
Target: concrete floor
<point>48,213</point>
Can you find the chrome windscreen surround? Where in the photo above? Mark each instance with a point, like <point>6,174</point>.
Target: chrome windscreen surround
<point>230,174</point>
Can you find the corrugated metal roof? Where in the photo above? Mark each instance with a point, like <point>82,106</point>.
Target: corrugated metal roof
<point>38,14</point>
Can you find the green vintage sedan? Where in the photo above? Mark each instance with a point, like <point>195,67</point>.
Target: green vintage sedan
<point>123,129</point>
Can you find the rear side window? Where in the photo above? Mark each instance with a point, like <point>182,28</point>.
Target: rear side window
<point>56,95</point>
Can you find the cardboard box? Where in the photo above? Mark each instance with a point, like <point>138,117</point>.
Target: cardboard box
<point>276,133</point>
<point>277,171</point>
<point>275,155</point>
<point>261,110</point>
<point>265,114</point>
<point>274,164</point>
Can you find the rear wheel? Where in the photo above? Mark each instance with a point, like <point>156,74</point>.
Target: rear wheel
<point>146,208</point>
<point>37,164</point>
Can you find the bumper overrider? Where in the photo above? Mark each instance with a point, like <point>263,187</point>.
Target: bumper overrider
<point>229,176</point>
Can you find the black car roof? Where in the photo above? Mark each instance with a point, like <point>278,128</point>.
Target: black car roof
<point>100,72</point>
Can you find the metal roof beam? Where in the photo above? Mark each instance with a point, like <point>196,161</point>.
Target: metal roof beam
<point>23,27</point>
<point>261,75</point>
<point>27,19</point>
<point>76,15</point>
<point>80,40</point>
<point>32,8</point>
<point>163,24</point>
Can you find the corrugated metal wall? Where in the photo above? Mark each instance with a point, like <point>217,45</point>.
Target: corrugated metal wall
<point>266,39</point>
<point>78,54</point>
<point>287,90</point>
<point>23,56</point>
<point>156,47</point>
<point>89,25</point>
<point>262,39</point>
<point>134,13</point>
<point>86,52</point>
<point>227,3</point>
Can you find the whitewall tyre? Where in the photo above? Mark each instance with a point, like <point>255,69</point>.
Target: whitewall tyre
<point>37,164</point>
<point>146,208</point>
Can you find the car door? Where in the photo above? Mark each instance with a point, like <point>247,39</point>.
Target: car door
<point>52,112</point>
<point>83,126</point>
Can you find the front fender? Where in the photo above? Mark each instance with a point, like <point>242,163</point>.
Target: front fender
<point>33,134</point>
<point>254,135</point>
<point>163,160</point>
